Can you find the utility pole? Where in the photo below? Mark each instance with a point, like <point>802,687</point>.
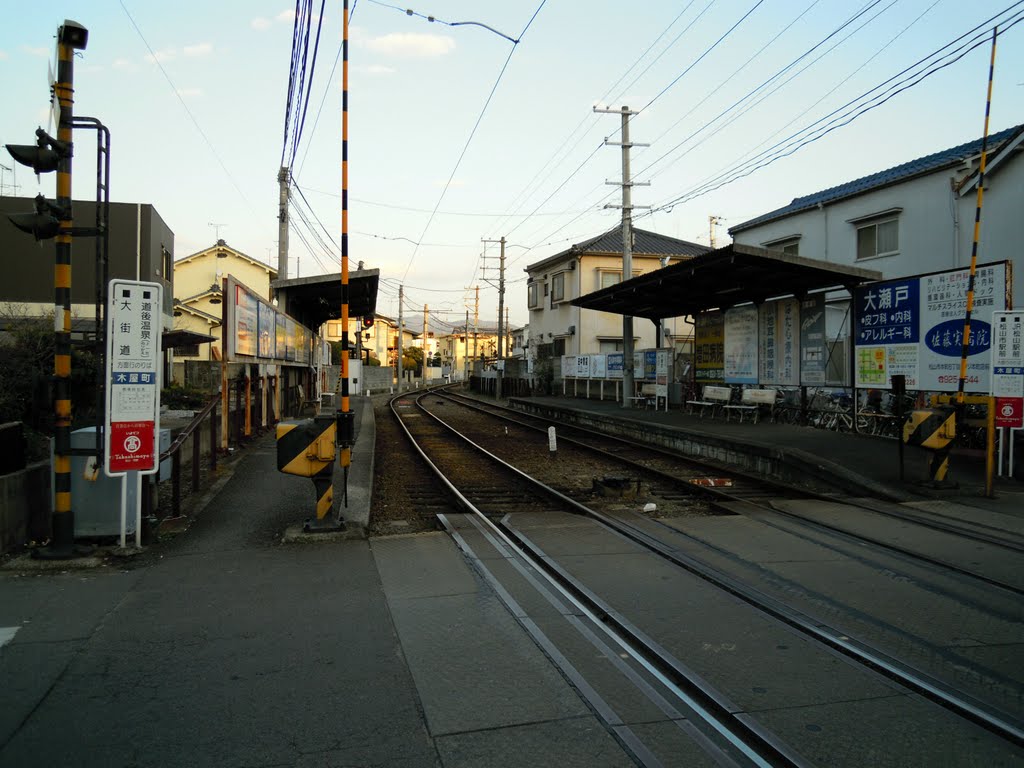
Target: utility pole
<point>712,221</point>
<point>426,321</point>
<point>465,347</point>
<point>476,320</point>
<point>282,225</point>
<point>627,206</point>
<point>401,329</point>
<point>501,310</point>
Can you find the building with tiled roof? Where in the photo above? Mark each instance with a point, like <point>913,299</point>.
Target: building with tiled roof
<point>557,328</point>
<point>914,218</point>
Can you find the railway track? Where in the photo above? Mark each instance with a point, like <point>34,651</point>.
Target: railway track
<point>502,497</point>
<point>732,488</point>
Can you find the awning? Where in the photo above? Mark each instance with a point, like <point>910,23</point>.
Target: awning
<point>315,300</point>
<point>736,274</point>
<point>183,338</point>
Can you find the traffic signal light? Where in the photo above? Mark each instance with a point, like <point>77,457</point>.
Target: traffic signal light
<point>45,156</point>
<point>44,223</point>
<point>367,322</point>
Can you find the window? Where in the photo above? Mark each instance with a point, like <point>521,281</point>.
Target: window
<point>879,237</point>
<point>790,245</point>
<point>609,345</point>
<point>558,288</point>
<point>559,347</point>
<point>610,278</point>
<point>189,350</point>
<point>532,300</point>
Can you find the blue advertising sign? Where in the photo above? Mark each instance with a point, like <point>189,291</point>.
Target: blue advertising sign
<point>887,313</point>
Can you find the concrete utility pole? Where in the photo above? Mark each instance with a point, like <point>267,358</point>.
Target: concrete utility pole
<point>501,309</point>
<point>426,321</point>
<point>401,328</point>
<point>465,347</point>
<point>476,320</point>
<point>627,206</point>
<point>712,221</point>
<point>282,224</point>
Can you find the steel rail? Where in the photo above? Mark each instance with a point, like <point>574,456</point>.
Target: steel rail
<point>958,702</point>
<point>760,747</point>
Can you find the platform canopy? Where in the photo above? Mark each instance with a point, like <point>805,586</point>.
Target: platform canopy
<point>736,274</point>
<point>315,300</point>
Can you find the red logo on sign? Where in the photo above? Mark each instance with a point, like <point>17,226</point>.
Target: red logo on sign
<point>131,446</point>
<point>1010,412</point>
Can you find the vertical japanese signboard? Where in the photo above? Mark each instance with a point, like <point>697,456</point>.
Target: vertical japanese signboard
<point>778,337</point>
<point>1008,368</point>
<point>741,345</point>
<point>709,340</point>
<point>914,327</point>
<point>133,377</point>
<point>813,351</point>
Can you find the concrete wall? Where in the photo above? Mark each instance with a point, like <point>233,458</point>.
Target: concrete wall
<point>25,506</point>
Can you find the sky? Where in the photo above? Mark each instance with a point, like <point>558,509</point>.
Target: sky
<point>459,135</point>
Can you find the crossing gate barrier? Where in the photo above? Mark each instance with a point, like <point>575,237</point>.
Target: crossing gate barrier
<point>308,448</point>
<point>935,430</point>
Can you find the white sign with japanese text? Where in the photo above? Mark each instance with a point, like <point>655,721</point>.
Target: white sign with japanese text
<point>133,377</point>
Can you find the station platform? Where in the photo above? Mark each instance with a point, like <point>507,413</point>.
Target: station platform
<point>854,464</point>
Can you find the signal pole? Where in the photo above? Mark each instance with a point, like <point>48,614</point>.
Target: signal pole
<point>627,206</point>
<point>70,36</point>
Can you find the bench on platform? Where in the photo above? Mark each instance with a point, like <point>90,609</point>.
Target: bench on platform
<point>751,403</point>
<point>712,397</point>
<point>647,396</point>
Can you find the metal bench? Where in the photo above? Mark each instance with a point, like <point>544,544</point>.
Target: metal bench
<point>751,403</point>
<point>712,397</point>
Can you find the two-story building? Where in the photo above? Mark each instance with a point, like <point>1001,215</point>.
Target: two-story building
<point>464,344</point>
<point>915,218</point>
<point>198,299</point>
<point>558,328</point>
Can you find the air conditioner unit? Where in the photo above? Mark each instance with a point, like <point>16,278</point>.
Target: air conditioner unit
<point>572,266</point>
<point>572,330</point>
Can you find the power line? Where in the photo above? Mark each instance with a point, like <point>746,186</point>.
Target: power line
<point>472,133</point>
<point>853,109</point>
<point>192,117</point>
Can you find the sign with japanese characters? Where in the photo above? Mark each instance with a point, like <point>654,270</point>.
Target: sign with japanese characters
<point>741,345</point>
<point>778,339</point>
<point>709,348</point>
<point>914,327</point>
<point>133,376</point>
<point>1008,368</point>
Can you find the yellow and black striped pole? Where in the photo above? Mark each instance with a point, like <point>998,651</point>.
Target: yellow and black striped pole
<point>62,542</point>
<point>344,415</point>
<point>307,448</point>
<point>977,229</point>
<point>935,430</point>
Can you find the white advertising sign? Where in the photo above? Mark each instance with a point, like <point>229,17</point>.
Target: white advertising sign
<point>741,345</point>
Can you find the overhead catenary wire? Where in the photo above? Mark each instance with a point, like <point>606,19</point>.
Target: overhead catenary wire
<point>472,133</point>
<point>855,108</point>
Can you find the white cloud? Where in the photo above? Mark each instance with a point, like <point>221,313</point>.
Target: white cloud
<point>288,16</point>
<point>187,93</point>
<point>200,49</point>
<point>376,69</point>
<point>3,55</point>
<point>122,64</point>
<point>165,55</point>
<point>41,51</point>
<point>260,23</point>
<point>412,45</point>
